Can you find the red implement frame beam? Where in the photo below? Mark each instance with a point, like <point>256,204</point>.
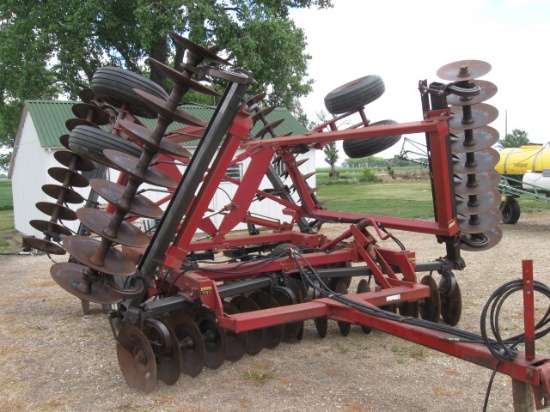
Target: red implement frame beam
<point>436,129</point>
<point>526,368</point>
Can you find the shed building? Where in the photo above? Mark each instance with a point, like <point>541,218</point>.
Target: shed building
<point>43,122</point>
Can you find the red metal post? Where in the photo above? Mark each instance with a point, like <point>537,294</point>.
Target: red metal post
<point>529,309</point>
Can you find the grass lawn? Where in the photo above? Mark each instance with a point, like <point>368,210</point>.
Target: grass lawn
<point>398,199</point>
<point>408,199</point>
<point>6,202</point>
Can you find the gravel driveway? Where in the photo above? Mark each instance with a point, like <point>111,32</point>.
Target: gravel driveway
<point>54,358</point>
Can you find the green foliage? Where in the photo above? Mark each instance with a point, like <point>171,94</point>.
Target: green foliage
<point>258,376</point>
<point>374,161</point>
<point>408,200</point>
<point>369,176</point>
<point>517,138</point>
<point>331,157</point>
<point>6,200</point>
<point>6,222</point>
<point>48,48</point>
<point>362,162</point>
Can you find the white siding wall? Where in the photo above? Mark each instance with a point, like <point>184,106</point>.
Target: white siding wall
<point>227,190</point>
<point>31,173</point>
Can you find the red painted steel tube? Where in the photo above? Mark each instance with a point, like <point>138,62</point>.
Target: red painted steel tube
<point>529,308</point>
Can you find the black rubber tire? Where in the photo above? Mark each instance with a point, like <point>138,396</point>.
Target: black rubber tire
<point>358,148</point>
<point>90,142</point>
<point>115,86</point>
<point>355,94</point>
<point>510,211</point>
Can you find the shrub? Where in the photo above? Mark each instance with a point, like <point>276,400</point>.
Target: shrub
<point>369,176</point>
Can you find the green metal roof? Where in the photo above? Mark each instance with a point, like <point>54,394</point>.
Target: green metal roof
<point>49,117</point>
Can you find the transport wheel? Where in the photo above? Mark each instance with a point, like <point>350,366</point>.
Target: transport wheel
<point>510,211</point>
<point>90,142</point>
<point>116,86</point>
<point>355,94</point>
<point>430,308</point>
<point>358,148</point>
<point>451,298</point>
<point>362,287</point>
<point>136,359</point>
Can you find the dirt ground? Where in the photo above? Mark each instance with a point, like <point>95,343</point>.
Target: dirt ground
<point>54,358</point>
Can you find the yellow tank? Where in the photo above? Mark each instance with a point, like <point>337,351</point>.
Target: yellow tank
<point>518,160</point>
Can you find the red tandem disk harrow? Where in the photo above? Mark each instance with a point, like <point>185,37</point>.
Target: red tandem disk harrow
<point>194,292</point>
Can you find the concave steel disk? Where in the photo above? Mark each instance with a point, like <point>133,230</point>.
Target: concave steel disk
<point>255,99</point>
<point>486,91</point>
<point>481,203</point>
<point>451,301</point>
<point>212,335</point>
<point>480,139</point>
<point>363,287</point>
<point>86,95</point>
<point>480,242</point>
<point>267,126</point>
<point>83,248</point>
<point>45,246</point>
<point>345,327</point>
<point>178,115</point>
<point>463,70</point>
<point>475,184</point>
<point>430,308</point>
<point>113,192</point>
<point>63,213</point>
<point>70,276</point>
<point>285,296</point>
<point>72,123</point>
<point>255,340</point>
<point>68,177</point>
<point>69,195</point>
<point>144,136</point>
<point>129,164</point>
<point>166,349</point>
<point>264,112</point>
<point>183,81</point>
<point>136,358</point>
<point>73,161</point>
<point>479,223</point>
<point>198,50</point>
<point>91,113</point>
<point>480,161</point>
<point>274,334</point>
<point>64,140</point>
<point>49,227</point>
<point>481,115</point>
<point>235,342</point>
<point>190,343</point>
<point>98,221</point>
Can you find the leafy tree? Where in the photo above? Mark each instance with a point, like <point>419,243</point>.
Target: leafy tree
<point>331,157</point>
<point>365,162</point>
<point>48,48</point>
<point>517,138</point>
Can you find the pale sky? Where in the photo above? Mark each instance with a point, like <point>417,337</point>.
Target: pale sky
<point>405,41</point>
